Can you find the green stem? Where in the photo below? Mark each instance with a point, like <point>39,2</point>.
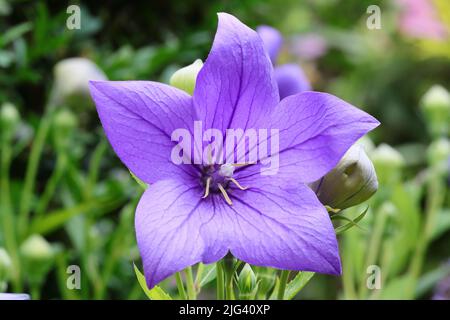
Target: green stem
<point>7,214</point>
<point>52,183</point>
<point>229,289</point>
<point>374,246</point>
<point>180,286</point>
<point>435,197</point>
<point>94,166</point>
<point>31,171</point>
<point>220,281</point>
<point>283,282</point>
<point>190,284</point>
<point>198,276</point>
<point>348,282</point>
<point>35,292</point>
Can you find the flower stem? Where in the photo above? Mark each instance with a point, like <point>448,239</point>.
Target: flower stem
<point>220,281</point>
<point>374,246</point>
<point>229,290</point>
<point>6,213</point>
<point>435,198</point>
<point>31,171</point>
<point>94,166</point>
<point>180,286</point>
<point>283,282</point>
<point>52,183</point>
<point>192,295</point>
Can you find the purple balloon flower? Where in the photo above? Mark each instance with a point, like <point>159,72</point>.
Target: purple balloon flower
<point>199,212</point>
<point>290,77</point>
<point>14,296</point>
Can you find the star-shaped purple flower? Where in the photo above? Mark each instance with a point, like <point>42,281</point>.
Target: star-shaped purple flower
<point>198,213</point>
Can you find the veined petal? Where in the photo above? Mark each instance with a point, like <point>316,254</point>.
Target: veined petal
<point>138,118</point>
<point>315,130</point>
<point>272,39</point>
<point>267,225</point>
<point>284,227</point>
<point>291,80</point>
<point>236,84</point>
<point>176,228</point>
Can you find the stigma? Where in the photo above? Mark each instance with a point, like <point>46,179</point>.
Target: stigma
<point>217,179</point>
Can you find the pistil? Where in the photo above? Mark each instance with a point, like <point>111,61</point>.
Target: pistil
<point>218,178</point>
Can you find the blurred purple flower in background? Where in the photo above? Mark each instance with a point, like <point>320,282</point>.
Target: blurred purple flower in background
<point>309,46</point>
<point>419,19</point>
<point>14,296</point>
<point>290,77</point>
<point>198,213</point>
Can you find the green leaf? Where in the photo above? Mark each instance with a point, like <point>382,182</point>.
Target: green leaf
<point>397,289</point>
<point>209,274</point>
<point>352,223</point>
<point>442,224</point>
<point>297,284</point>
<point>54,220</point>
<point>14,33</point>
<point>154,294</point>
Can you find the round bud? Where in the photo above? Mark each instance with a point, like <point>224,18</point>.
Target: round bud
<point>246,281</point>
<point>186,77</point>
<point>64,123</point>
<point>38,256</point>
<point>436,108</point>
<point>72,78</point>
<point>9,118</point>
<point>388,163</point>
<point>350,183</point>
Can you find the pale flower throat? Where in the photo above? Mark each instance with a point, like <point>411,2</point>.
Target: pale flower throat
<point>217,178</point>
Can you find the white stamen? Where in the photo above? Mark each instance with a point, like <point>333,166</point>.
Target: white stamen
<point>208,182</point>
<point>237,184</point>
<point>225,194</point>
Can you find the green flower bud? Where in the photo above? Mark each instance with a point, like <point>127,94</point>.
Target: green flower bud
<point>72,78</point>
<point>388,163</point>
<point>9,118</point>
<point>246,281</point>
<point>65,120</point>
<point>185,78</point>
<point>5,268</point>
<point>438,154</point>
<point>436,107</point>
<point>388,209</point>
<point>38,256</point>
<point>64,123</point>
<point>350,183</point>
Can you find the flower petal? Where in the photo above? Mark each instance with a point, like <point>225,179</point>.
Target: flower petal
<point>315,130</point>
<point>272,39</point>
<point>176,228</point>
<point>291,80</point>
<point>267,225</point>
<point>283,227</point>
<point>138,118</point>
<point>236,84</point>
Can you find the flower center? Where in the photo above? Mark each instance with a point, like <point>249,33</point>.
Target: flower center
<point>217,179</point>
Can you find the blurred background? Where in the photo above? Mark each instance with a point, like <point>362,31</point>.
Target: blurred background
<point>67,200</point>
